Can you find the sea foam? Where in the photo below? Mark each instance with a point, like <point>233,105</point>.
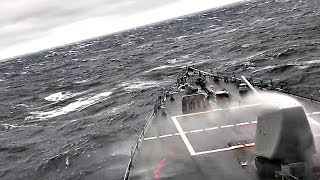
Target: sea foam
<point>78,105</point>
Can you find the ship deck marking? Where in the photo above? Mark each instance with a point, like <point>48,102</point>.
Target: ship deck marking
<point>212,128</point>
<point>227,126</point>
<point>167,135</point>
<point>183,136</point>
<point>191,149</point>
<point>198,130</point>
<point>242,124</point>
<point>186,140</point>
<point>149,138</point>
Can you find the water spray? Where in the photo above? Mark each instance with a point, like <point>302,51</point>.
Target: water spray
<point>251,87</point>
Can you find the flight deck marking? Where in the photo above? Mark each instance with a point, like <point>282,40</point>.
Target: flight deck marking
<point>183,136</point>
<point>167,135</point>
<point>217,127</point>
<point>149,138</point>
<point>198,130</point>
<point>242,124</point>
<point>190,148</point>
<point>209,129</point>
<point>226,126</point>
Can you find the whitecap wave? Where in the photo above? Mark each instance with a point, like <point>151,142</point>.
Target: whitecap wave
<point>120,108</point>
<point>138,84</point>
<point>79,105</point>
<point>182,59</point>
<point>13,126</point>
<point>60,96</point>
<point>180,37</point>
<point>312,62</point>
<point>303,67</point>
<point>161,67</point>
<point>8,126</point>
<point>82,81</point>
<point>173,64</point>
<point>264,68</point>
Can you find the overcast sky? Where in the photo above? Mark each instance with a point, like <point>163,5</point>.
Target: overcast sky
<point>32,25</point>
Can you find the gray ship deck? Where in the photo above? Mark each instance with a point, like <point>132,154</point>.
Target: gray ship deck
<point>206,145</point>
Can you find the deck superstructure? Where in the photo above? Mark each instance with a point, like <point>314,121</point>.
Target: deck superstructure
<point>215,141</point>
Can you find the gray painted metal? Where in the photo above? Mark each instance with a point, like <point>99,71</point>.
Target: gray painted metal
<point>284,134</point>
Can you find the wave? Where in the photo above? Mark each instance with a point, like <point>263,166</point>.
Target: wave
<point>60,96</point>
<point>82,81</point>
<point>161,67</point>
<point>139,84</point>
<point>79,105</point>
<point>180,37</point>
<point>312,62</point>
<point>263,68</point>
<point>14,126</point>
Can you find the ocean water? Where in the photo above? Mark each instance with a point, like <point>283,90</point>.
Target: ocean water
<point>74,112</point>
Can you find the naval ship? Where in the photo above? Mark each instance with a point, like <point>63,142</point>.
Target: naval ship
<point>210,125</point>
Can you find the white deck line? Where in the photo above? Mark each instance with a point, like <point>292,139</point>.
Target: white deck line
<point>225,149</point>
<point>198,130</point>
<point>239,124</point>
<point>190,148</point>
<point>226,126</point>
<point>167,135</point>
<point>150,138</point>
<point>212,128</point>
<point>242,124</point>
<point>183,136</point>
<point>213,110</point>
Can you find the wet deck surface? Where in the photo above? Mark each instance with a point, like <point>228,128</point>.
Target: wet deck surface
<point>205,145</point>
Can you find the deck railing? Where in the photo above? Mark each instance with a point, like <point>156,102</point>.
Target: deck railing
<point>135,148</point>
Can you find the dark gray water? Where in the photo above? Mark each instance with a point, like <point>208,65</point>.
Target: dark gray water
<point>73,112</point>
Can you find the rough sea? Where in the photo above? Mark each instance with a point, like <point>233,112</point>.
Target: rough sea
<point>74,112</point>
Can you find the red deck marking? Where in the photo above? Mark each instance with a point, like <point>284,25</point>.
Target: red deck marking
<point>159,167</point>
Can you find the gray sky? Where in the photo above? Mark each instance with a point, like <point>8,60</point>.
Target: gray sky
<point>33,25</point>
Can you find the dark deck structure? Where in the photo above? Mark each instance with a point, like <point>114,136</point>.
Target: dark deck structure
<point>215,143</point>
